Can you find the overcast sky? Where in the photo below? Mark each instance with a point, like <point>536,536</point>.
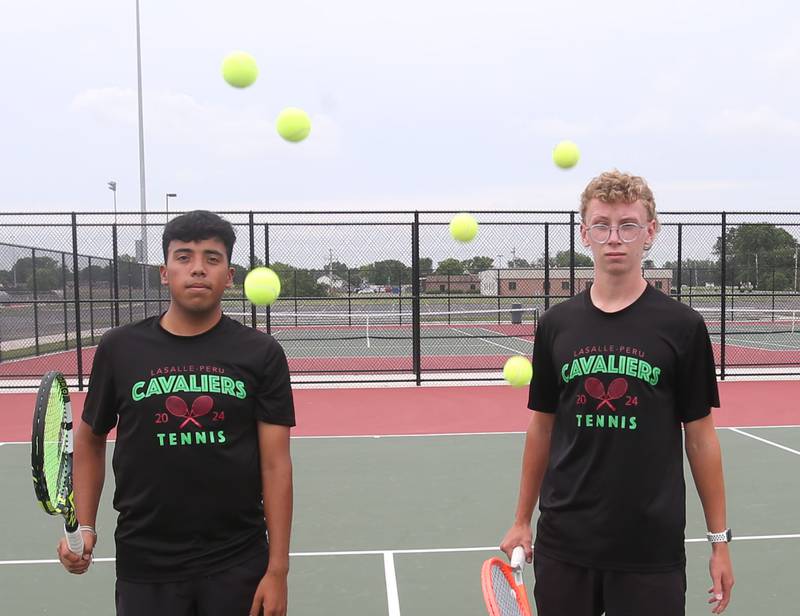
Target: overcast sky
<point>431,104</point>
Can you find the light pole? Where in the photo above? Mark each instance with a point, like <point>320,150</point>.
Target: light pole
<point>167,202</point>
<point>142,200</point>
<point>112,186</point>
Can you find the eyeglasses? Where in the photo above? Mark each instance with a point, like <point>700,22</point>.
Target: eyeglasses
<point>628,232</point>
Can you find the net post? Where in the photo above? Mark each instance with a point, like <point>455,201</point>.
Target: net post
<point>416,342</point>
<point>76,296</point>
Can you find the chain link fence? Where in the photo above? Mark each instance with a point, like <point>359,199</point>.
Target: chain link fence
<point>390,295</point>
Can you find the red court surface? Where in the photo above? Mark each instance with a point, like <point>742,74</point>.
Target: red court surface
<point>459,409</point>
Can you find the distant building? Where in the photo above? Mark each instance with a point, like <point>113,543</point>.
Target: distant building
<point>456,283</point>
<point>530,282</point>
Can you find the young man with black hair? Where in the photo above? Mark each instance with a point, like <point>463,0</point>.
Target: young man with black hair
<point>203,407</point>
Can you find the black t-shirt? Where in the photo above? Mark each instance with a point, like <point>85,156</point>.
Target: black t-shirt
<point>186,459</point>
<point>620,384</point>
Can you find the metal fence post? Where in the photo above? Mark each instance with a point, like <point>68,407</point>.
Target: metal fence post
<point>546,283</point>
<point>267,263</point>
<point>679,282</point>
<point>251,229</point>
<point>76,296</point>
<point>115,274</point>
<point>572,253</point>
<point>35,301</point>
<point>723,259</point>
<point>416,343</point>
<point>64,298</point>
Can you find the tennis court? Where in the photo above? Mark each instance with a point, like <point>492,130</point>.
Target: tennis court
<point>402,492</point>
<point>368,343</point>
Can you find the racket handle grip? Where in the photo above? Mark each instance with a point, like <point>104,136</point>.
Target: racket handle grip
<point>518,557</point>
<point>74,541</point>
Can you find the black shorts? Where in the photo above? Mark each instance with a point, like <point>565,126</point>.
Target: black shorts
<point>568,590</point>
<point>227,592</point>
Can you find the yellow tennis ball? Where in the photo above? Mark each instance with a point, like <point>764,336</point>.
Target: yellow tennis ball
<point>518,371</point>
<point>293,124</point>
<point>463,227</point>
<point>566,154</point>
<point>239,69</point>
<point>262,286</point>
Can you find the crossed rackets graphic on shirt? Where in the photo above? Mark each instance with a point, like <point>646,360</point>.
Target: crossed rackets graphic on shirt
<point>616,389</point>
<point>202,405</point>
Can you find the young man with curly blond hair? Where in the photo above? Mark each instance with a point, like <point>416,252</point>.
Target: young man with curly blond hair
<point>619,369</point>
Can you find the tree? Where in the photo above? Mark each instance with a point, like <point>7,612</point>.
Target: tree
<point>478,264</point>
<point>450,267</point>
<point>48,273</point>
<point>425,265</point>
<point>562,260</point>
<point>754,251</point>
<point>343,272</point>
<point>98,273</point>
<point>388,272</point>
<point>695,272</point>
<point>298,282</point>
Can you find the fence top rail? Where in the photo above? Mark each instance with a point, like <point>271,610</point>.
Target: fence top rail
<point>397,212</point>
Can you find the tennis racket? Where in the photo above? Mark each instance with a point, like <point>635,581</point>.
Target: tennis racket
<point>51,455</point>
<point>503,586</point>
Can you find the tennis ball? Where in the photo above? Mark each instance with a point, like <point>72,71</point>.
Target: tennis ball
<point>262,286</point>
<point>566,154</point>
<point>463,227</point>
<point>293,124</point>
<point>518,371</point>
<point>239,69</point>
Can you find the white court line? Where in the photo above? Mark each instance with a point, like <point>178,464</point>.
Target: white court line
<point>383,553</point>
<point>461,331</point>
<point>441,434</point>
<point>763,440</point>
<point>392,597</point>
<point>528,342</point>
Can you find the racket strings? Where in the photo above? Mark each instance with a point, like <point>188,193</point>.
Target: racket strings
<point>505,594</point>
<point>55,471</point>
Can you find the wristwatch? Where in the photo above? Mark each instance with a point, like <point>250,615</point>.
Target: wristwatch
<point>724,537</point>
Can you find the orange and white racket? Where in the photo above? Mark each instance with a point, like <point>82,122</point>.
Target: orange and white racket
<point>503,586</point>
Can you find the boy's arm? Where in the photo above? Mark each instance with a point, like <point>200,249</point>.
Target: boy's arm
<point>705,460</point>
<point>88,475</point>
<point>534,464</point>
<point>276,482</point>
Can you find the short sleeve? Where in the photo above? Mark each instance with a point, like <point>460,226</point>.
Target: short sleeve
<point>543,395</point>
<point>274,400</point>
<point>100,407</point>
<point>697,376</point>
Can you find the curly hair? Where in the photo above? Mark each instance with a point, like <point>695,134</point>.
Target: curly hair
<point>618,187</point>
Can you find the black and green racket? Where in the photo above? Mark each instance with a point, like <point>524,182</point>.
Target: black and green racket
<point>51,455</point>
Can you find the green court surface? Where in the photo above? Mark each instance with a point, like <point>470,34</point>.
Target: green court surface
<point>401,525</point>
